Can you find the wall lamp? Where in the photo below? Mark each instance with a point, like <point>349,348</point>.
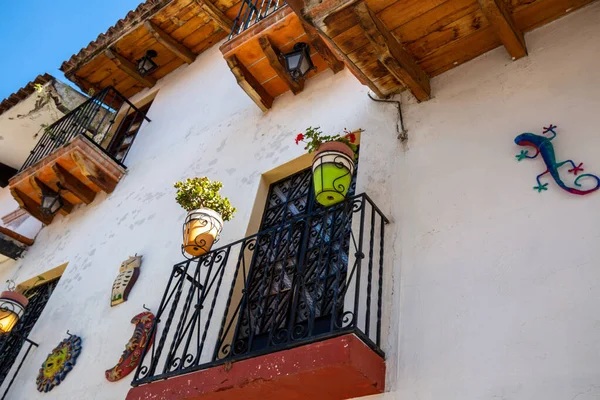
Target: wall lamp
<point>146,65</point>
<point>298,62</point>
<point>51,201</point>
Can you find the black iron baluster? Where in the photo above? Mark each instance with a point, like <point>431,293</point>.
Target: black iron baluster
<point>359,257</point>
<point>177,292</point>
<point>380,283</point>
<point>161,309</point>
<point>179,331</point>
<point>222,332</point>
<point>370,270</point>
<point>212,306</point>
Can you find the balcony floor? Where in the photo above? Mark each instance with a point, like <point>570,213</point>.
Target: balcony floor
<point>83,170</point>
<point>339,368</point>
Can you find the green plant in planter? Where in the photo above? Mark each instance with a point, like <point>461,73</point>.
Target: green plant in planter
<point>194,193</point>
<point>333,163</point>
<point>314,137</point>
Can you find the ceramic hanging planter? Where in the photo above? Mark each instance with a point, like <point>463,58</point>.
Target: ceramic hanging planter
<point>207,210</point>
<point>12,308</point>
<point>333,163</point>
<point>201,229</point>
<point>333,168</point>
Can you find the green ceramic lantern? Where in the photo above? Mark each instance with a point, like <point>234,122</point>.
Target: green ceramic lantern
<point>333,168</point>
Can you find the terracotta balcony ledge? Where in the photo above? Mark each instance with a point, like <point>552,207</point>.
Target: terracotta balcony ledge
<point>81,167</point>
<point>339,368</point>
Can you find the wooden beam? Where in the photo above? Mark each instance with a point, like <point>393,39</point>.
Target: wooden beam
<point>392,54</point>
<point>171,44</point>
<point>298,7</point>
<point>84,85</point>
<point>91,171</point>
<point>41,188</point>
<point>73,185</point>
<point>129,68</point>
<point>321,47</point>
<point>273,55</point>
<point>29,205</point>
<point>14,235</point>
<point>501,20</point>
<point>250,85</point>
<point>217,15</point>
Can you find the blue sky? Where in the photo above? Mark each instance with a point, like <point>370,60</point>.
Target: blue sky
<point>37,36</point>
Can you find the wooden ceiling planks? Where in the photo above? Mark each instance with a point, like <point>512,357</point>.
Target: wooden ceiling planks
<point>437,34</point>
<point>82,169</point>
<point>529,15</point>
<point>185,22</point>
<point>283,30</point>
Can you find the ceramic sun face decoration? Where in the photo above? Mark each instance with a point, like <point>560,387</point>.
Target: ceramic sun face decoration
<point>58,364</point>
<point>133,349</point>
<point>128,274</point>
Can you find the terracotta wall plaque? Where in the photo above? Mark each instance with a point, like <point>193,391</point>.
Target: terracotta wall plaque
<point>58,363</point>
<point>133,349</point>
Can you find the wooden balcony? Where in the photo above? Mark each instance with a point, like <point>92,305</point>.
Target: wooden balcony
<point>79,155</point>
<point>257,40</point>
<point>82,169</point>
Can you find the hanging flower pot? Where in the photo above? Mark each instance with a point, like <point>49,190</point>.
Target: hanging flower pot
<point>333,163</point>
<point>12,307</point>
<point>207,210</point>
<point>333,168</point>
<point>201,229</point>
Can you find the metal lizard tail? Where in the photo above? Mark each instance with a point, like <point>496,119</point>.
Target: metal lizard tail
<point>579,191</point>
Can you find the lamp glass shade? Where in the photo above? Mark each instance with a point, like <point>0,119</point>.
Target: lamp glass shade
<point>298,62</point>
<point>51,203</point>
<point>12,308</point>
<point>146,65</point>
<point>293,61</point>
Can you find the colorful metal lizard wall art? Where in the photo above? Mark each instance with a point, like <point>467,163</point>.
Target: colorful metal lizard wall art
<point>543,146</point>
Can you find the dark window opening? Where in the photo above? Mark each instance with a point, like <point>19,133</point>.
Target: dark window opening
<point>6,173</point>
<point>296,280</point>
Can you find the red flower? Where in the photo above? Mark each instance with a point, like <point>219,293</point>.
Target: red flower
<point>299,138</point>
<point>351,137</point>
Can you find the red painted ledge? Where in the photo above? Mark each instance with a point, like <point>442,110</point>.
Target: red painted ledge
<point>338,368</point>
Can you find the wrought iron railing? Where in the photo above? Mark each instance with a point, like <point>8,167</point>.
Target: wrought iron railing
<point>316,276</point>
<point>253,11</point>
<point>108,120</point>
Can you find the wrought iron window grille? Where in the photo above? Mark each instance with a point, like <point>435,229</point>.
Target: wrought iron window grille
<point>311,277</point>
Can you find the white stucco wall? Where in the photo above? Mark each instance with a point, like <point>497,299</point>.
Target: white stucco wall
<point>22,126</point>
<point>25,225</point>
<point>492,287</point>
<point>202,124</point>
<point>499,284</point>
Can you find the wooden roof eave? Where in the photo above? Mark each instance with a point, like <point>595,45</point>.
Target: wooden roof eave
<point>116,50</point>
